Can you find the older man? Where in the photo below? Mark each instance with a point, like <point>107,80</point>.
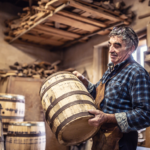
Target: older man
<point>122,95</point>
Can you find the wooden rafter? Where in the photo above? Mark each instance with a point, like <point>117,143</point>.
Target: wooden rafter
<point>58,31</point>
<point>73,23</point>
<point>84,19</point>
<point>41,40</point>
<point>50,33</point>
<point>41,20</point>
<point>94,11</point>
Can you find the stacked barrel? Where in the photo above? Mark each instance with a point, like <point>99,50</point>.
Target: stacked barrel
<point>19,135</point>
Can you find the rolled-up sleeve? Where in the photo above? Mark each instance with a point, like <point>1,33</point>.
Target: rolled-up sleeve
<point>139,116</point>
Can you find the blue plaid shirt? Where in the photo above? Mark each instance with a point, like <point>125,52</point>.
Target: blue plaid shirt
<point>127,95</point>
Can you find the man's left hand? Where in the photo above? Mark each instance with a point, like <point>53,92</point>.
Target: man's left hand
<point>99,119</point>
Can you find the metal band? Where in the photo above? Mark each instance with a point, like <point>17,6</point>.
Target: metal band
<point>62,97</point>
<point>69,105</point>
<point>59,81</point>
<point>5,129</point>
<point>9,96</point>
<point>69,119</point>
<point>8,100</point>
<point>25,135</point>
<point>12,117</point>
<point>5,123</point>
<point>28,124</point>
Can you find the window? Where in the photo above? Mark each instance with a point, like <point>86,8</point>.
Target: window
<point>142,50</point>
<point>138,55</point>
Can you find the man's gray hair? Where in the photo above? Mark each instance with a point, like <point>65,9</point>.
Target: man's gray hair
<point>127,34</point>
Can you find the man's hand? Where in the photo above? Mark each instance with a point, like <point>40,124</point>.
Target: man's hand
<point>101,118</point>
<point>81,78</point>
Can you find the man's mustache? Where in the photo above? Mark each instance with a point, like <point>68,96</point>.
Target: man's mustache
<point>113,54</point>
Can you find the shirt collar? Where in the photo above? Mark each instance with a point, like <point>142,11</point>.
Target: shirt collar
<point>111,65</point>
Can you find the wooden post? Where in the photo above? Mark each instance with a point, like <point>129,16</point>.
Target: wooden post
<point>148,35</point>
<point>100,61</point>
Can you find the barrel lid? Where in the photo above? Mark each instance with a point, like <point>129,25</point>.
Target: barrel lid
<point>54,74</point>
<point>12,96</point>
<point>27,123</point>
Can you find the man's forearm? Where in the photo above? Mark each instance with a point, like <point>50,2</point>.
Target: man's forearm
<point>111,118</point>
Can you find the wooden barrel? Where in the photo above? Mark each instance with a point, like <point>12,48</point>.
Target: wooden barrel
<point>13,109</point>
<point>66,102</point>
<point>26,136</point>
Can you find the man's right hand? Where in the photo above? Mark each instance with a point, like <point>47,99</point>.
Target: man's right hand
<point>81,78</point>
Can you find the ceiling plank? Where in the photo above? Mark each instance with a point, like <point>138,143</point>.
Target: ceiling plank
<point>73,23</point>
<point>58,31</point>
<point>41,40</point>
<point>97,12</point>
<point>52,34</point>
<point>78,17</point>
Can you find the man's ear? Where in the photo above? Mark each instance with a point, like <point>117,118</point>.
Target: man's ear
<point>132,49</point>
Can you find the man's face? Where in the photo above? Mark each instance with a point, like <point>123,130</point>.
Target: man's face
<point>117,50</point>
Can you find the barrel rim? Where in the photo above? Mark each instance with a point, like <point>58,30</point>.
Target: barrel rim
<point>12,96</point>
<point>27,123</point>
<point>54,74</point>
<point>59,133</point>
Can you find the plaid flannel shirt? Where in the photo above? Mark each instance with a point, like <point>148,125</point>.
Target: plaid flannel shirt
<point>127,95</point>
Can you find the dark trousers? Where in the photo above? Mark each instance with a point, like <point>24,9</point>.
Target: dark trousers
<point>129,141</point>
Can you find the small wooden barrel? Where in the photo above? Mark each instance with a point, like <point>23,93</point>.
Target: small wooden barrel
<point>13,109</point>
<point>66,102</point>
<point>26,136</point>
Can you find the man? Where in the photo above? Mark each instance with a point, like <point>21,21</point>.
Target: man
<point>122,95</point>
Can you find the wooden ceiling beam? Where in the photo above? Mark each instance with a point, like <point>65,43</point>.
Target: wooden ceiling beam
<point>73,23</point>
<point>58,31</point>
<point>84,19</point>
<point>97,12</point>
